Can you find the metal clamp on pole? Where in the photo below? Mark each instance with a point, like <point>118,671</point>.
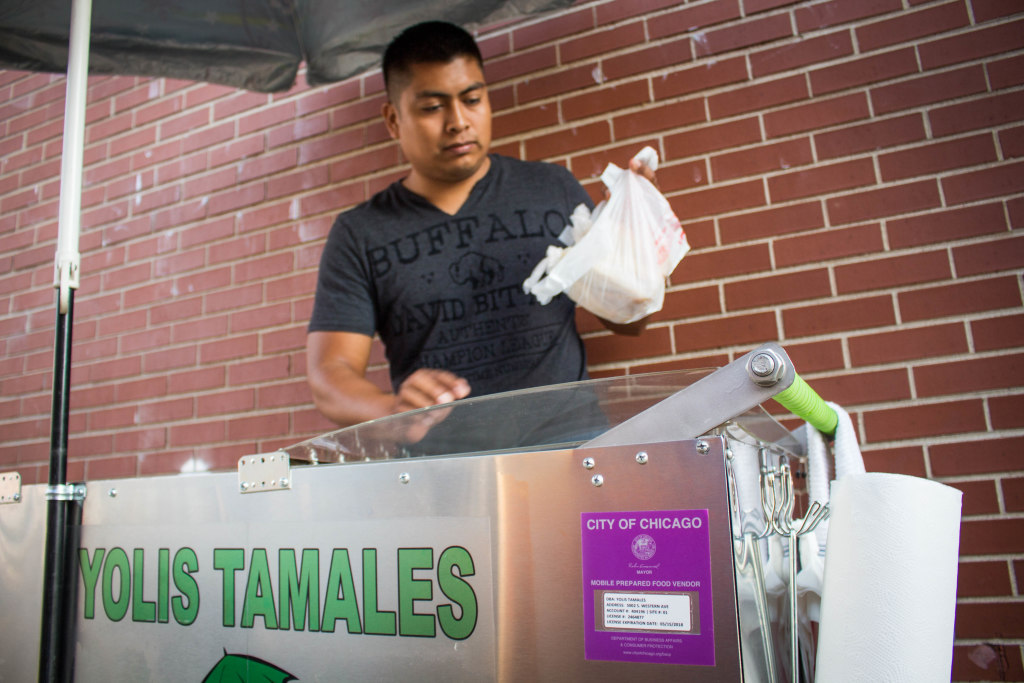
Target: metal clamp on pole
<point>66,492</point>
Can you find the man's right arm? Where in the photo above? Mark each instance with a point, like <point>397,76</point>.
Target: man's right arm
<point>336,372</point>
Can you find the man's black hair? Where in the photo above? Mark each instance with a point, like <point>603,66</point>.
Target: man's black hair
<point>435,42</point>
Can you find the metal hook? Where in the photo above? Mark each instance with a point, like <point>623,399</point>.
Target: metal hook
<point>816,514</point>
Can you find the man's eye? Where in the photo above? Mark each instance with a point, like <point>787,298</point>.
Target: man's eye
<point>472,101</point>
<point>430,108</point>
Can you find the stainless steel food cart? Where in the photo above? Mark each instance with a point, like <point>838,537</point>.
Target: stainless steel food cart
<point>600,530</point>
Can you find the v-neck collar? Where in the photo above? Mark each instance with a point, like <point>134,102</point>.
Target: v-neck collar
<point>478,187</point>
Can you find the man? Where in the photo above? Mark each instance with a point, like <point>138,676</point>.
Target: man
<point>435,262</point>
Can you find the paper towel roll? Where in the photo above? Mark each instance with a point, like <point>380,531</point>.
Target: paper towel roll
<point>889,594</point>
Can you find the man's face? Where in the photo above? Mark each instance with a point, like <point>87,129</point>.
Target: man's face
<point>441,117</point>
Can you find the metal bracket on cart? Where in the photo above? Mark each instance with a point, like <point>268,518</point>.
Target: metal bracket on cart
<point>10,487</point>
<point>264,472</point>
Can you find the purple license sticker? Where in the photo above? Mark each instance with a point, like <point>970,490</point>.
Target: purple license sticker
<point>647,587</point>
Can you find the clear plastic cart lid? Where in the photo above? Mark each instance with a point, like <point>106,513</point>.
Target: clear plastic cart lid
<point>552,417</point>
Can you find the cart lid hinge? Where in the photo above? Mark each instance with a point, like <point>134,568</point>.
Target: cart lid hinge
<point>264,472</point>
<point>10,487</point>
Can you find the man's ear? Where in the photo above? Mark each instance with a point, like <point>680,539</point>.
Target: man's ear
<point>390,114</point>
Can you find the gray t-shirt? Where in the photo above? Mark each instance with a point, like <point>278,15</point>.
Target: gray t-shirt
<point>446,291</point>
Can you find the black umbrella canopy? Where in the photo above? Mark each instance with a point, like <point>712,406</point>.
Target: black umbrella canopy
<point>251,44</point>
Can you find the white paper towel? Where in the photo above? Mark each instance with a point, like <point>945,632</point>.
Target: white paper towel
<point>889,594</point>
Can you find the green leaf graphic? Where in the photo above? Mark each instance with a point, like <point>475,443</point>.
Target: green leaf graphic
<point>246,669</point>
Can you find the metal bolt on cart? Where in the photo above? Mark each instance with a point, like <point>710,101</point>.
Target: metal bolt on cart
<point>633,528</point>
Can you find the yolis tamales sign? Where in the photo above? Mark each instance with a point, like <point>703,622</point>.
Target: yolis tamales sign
<point>298,595</point>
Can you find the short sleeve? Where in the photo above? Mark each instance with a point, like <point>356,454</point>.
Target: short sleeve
<point>575,194</point>
<point>344,299</point>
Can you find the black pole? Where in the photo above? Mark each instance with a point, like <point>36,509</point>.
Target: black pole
<point>55,644</point>
<point>69,607</point>
<point>64,507</point>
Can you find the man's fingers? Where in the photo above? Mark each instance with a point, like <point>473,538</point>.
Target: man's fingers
<point>643,169</point>
<point>442,386</point>
<point>411,397</point>
<point>427,387</point>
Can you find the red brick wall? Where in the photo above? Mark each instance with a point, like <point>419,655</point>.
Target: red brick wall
<point>850,174</point>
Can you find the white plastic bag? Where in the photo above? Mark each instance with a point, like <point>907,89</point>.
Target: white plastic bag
<point>618,255</point>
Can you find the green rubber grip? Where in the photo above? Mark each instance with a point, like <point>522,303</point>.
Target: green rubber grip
<point>805,403</point>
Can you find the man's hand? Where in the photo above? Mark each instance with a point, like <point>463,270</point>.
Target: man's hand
<point>336,371</point>
<point>429,387</point>
<point>643,169</point>
<point>422,389</point>
<point>640,168</point>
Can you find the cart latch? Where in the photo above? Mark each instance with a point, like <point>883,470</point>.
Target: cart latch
<point>264,472</point>
<point>10,487</point>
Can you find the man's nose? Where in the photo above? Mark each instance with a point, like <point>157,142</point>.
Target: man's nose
<point>457,121</point>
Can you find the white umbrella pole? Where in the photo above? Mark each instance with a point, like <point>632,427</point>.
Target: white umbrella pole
<point>66,268</point>
<point>64,501</point>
